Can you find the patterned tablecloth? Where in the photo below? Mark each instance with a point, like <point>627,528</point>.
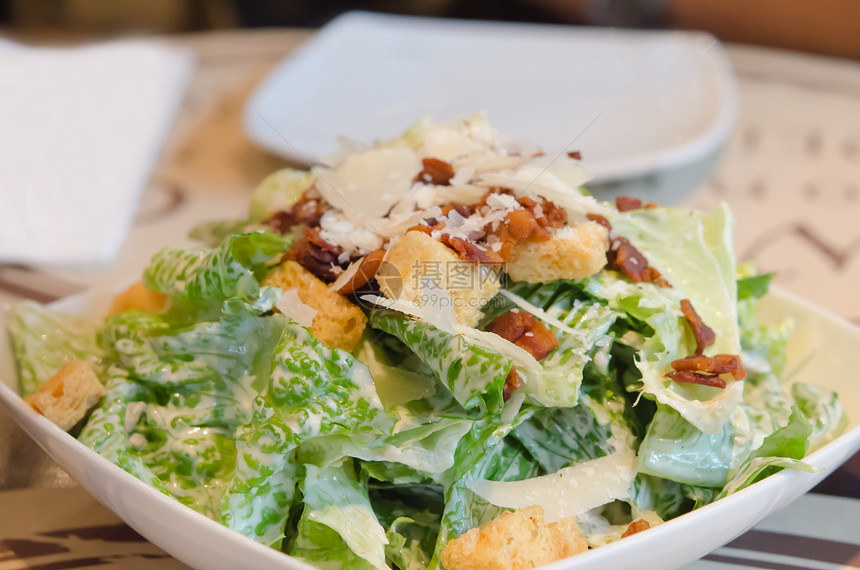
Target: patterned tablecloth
<point>791,174</point>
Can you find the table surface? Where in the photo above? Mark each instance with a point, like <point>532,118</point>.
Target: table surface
<point>790,172</point>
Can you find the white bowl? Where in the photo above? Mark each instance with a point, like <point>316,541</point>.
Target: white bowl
<point>825,351</point>
<point>632,101</point>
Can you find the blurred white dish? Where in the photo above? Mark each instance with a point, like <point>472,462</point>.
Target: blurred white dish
<point>632,101</point>
<point>825,350</point>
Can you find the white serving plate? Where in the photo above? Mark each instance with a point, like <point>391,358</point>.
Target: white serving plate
<point>825,350</point>
<point>657,100</point>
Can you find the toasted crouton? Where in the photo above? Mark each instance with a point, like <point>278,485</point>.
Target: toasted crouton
<point>514,541</point>
<point>574,252</point>
<point>67,395</point>
<point>138,297</point>
<point>418,260</point>
<point>337,323</point>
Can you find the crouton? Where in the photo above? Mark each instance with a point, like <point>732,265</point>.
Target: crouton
<point>575,252</point>
<point>417,264</point>
<point>67,395</point>
<point>514,541</point>
<point>138,297</point>
<point>337,323</point>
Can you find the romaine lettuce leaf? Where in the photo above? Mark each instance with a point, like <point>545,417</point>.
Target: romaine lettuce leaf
<point>278,191</point>
<point>758,468</point>
<point>411,514</point>
<point>464,509</point>
<point>474,375</point>
<point>693,251</point>
<point>311,391</point>
<point>587,322</point>
<point>675,449</point>
<point>210,276</point>
<point>559,437</point>
<point>45,340</point>
<point>822,409</point>
<point>335,500</point>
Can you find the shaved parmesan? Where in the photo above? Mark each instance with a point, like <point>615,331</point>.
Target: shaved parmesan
<point>346,276</point>
<point>568,492</point>
<point>365,186</point>
<point>556,180</point>
<point>292,306</point>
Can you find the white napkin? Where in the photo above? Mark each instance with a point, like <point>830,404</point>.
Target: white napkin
<point>80,130</point>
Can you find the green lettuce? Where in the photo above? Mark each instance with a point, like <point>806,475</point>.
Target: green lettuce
<point>338,528</point>
<point>311,391</point>
<point>211,276</point>
<point>474,375</point>
<point>45,340</point>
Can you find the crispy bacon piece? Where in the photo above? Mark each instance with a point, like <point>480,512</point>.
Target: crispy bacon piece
<point>545,212</point>
<point>636,526</point>
<point>316,255</point>
<point>471,251</point>
<point>461,209</point>
<point>523,224</point>
<point>623,257</point>
<point>516,227</point>
<point>525,331</point>
<point>689,377</point>
<point>366,271</point>
<point>704,334</point>
<point>626,203</point>
<point>600,220</point>
<point>717,364</point>
<point>512,383</point>
<point>436,172</point>
<point>308,211</point>
<point>575,154</point>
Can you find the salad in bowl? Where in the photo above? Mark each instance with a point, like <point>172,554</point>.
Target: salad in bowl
<point>437,351</point>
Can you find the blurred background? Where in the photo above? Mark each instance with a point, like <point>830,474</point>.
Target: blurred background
<point>830,27</point>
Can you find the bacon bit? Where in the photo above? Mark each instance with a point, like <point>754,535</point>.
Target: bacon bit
<point>366,271</point>
<point>522,224</point>
<point>464,211</point>
<point>717,364</point>
<point>539,343</point>
<point>689,377</point>
<point>623,257</point>
<point>538,154</point>
<point>704,334</point>
<point>503,234</point>
<point>523,330</point>
<point>471,251</point>
<point>650,206</point>
<point>436,172</point>
<point>600,220</point>
<point>636,526</point>
<point>316,255</point>
<point>626,203</point>
<point>551,216</point>
<point>512,383</point>
<point>517,226</point>
<point>308,211</point>
<point>575,154</point>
